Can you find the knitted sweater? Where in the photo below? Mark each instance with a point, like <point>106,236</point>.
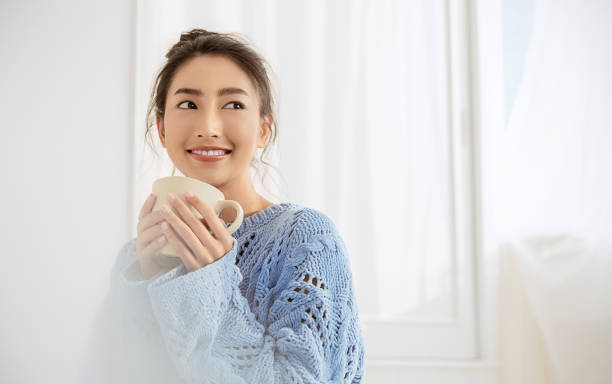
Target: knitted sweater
<point>278,308</point>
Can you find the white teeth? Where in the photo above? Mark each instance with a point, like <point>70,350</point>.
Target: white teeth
<point>210,153</point>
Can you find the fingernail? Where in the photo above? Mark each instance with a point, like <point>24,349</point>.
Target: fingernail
<point>189,195</point>
<point>171,196</point>
<point>164,226</point>
<point>166,209</point>
<point>162,239</point>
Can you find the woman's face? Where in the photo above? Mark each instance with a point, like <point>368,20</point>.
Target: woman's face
<point>212,105</point>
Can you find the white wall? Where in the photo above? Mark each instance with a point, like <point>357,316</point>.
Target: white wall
<point>65,105</point>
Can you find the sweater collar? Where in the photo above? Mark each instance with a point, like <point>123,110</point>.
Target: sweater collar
<point>263,216</point>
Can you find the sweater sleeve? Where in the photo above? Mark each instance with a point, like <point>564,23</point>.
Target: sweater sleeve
<point>124,344</point>
<point>312,332</point>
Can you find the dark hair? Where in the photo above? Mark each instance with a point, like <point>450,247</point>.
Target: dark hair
<point>199,42</point>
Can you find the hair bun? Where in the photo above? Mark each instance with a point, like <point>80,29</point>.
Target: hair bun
<point>194,34</point>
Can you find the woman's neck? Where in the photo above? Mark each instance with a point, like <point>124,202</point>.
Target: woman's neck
<point>242,191</point>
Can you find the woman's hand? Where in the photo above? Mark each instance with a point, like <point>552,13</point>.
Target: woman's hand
<point>150,237</point>
<point>196,245</point>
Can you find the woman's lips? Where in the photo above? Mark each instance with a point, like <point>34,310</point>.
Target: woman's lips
<point>207,158</point>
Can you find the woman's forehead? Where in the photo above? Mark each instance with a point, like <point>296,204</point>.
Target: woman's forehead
<point>209,74</point>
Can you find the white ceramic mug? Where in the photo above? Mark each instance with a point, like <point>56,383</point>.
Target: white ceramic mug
<point>179,185</point>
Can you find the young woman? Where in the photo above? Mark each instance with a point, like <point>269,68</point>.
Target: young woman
<point>272,304</point>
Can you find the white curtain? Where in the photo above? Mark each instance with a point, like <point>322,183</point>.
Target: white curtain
<point>555,202</point>
<point>363,128</point>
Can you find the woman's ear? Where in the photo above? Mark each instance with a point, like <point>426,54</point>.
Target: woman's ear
<point>161,131</point>
<point>264,131</point>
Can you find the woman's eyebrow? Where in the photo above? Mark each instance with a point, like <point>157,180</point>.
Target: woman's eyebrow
<point>231,91</point>
<point>220,92</point>
<point>188,91</point>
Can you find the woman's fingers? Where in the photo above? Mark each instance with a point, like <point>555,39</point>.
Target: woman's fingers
<point>189,218</point>
<point>150,237</point>
<point>153,246</point>
<point>184,232</point>
<point>147,206</point>
<point>185,254</point>
<point>143,243</point>
<point>151,234</point>
<point>148,268</point>
<point>149,220</point>
<point>215,224</point>
<point>191,239</point>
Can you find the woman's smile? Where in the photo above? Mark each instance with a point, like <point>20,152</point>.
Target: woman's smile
<point>211,155</point>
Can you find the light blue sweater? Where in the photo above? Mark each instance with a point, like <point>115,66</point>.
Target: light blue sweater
<point>278,308</point>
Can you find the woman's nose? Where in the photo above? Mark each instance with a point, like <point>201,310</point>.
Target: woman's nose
<point>210,125</point>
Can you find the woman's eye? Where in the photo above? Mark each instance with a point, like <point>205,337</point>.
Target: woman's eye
<point>233,105</point>
<point>187,105</point>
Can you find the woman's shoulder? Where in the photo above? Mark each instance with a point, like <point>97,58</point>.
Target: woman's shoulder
<point>287,215</point>
<point>314,246</point>
<point>290,225</point>
<point>310,228</point>
<point>306,219</point>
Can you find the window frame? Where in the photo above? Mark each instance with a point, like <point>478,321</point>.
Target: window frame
<point>457,338</point>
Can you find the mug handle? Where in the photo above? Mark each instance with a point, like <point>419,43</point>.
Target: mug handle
<point>221,204</point>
